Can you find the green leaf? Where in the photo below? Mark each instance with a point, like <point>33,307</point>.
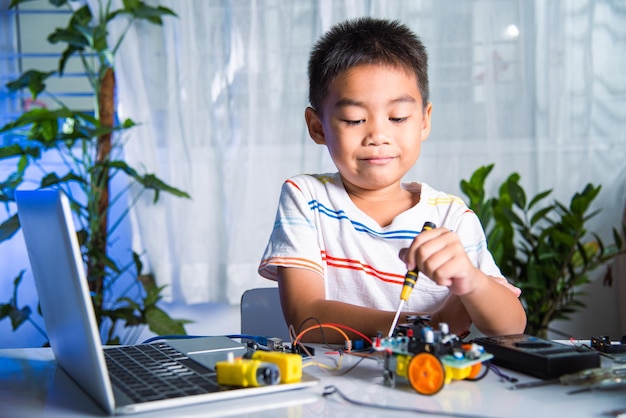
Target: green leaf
<point>160,322</point>
<point>99,40</point>
<point>580,201</point>
<point>517,194</point>
<point>512,216</point>
<point>9,228</point>
<point>31,79</point>
<point>541,214</point>
<point>71,36</point>
<point>617,239</point>
<point>131,4</point>
<point>538,198</point>
<point>52,179</point>
<point>36,115</point>
<point>15,150</point>
<point>19,316</point>
<point>150,181</point>
<point>128,123</point>
<point>138,263</point>
<point>140,10</point>
<point>17,2</point>
<point>67,54</point>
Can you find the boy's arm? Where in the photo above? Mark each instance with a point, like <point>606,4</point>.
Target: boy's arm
<point>302,296</point>
<point>494,309</point>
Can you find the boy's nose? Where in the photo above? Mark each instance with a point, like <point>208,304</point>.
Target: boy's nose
<point>376,135</point>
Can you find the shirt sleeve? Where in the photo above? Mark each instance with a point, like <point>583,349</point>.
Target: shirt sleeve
<point>473,236</point>
<point>294,239</point>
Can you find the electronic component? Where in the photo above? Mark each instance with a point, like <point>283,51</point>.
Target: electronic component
<point>427,358</point>
<point>275,344</point>
<point>289,364</point>
<point>605,345</point>
<point>538,357</point>
<point>246,372</point>
<point>301,349</point>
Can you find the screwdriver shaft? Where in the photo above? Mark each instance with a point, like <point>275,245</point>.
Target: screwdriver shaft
<point>395,319</point>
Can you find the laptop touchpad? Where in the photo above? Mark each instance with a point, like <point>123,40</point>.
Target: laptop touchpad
<point>208,350</point>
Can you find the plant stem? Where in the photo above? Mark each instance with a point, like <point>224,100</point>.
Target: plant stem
<point>100,181</point>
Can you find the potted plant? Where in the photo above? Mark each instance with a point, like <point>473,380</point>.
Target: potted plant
<point>90,147</point>
<point>543,247</point>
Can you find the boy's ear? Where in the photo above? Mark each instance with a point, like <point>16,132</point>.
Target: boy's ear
<point>314,123</point>
<point>426,120</point>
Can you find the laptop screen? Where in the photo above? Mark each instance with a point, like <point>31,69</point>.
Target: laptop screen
<point>57,266</point>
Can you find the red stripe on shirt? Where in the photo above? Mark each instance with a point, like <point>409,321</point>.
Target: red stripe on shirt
<point>346,263</point>
<point>293,184</point>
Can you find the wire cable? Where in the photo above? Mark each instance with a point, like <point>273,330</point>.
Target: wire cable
<point>359,333</point>
<point>333,390</point>
<point>171,337</point>
<point>339,330</point>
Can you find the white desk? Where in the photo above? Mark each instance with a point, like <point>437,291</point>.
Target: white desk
<point>31,385</point>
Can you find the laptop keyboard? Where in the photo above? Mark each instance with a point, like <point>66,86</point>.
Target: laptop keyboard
<point>149,372</point>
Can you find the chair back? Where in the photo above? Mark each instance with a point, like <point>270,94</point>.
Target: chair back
<point>261,313</point>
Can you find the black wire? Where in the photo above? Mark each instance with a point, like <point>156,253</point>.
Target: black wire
<point>319,323</point>
<point>502,375</point>
<point>485,371</point>
<point>333,390</point>
<point>352,367</point>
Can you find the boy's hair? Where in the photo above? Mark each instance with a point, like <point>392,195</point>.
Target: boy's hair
<point>365,41</point>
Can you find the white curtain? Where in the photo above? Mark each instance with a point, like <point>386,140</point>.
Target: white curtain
<point>534,87</point>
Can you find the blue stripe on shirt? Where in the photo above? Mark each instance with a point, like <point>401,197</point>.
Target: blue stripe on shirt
<point>341,215</point>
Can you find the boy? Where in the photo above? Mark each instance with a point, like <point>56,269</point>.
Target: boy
<point>342,243</point>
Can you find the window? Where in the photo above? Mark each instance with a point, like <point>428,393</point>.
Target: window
<point>24,46</point>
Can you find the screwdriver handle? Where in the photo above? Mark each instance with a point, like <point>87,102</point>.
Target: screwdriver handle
<point>409,283</point>
<point>411,276</point>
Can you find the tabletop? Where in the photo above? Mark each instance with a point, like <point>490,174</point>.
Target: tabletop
<point>32,385</point>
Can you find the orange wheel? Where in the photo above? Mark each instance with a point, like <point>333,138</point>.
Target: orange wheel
<point>426,374</point>
<point>475,371</point>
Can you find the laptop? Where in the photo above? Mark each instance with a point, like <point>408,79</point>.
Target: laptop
<point>67,309</point>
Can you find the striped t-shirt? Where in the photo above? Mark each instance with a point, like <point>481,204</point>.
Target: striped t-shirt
<point>319,228</point>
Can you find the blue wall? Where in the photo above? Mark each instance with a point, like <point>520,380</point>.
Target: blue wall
<point>14,258</point>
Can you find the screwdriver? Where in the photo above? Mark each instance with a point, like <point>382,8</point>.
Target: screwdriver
<point>595,378</point>
<point>409,283</point>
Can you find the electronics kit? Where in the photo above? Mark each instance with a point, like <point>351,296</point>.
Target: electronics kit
<point>429,358</point>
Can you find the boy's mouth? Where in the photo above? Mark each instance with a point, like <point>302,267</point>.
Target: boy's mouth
<point>382,160</point>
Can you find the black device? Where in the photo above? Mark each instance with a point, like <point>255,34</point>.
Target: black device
<point>605,344</point>
<point>538,357</point>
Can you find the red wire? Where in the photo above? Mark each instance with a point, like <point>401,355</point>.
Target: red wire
<point>360,334</point>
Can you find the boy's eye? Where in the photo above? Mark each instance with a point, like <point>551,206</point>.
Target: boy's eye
<point>398,120</point>
<point>353,122</point>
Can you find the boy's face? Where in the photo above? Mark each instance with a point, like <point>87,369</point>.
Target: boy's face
<point>373,124</point>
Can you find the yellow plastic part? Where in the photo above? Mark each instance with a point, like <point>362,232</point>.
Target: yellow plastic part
<point>458,373</point>
<point>409,283</point>
<point>402,365</point>
<point>289,364</point>
<point>426,374</point>
<point>246,372</point>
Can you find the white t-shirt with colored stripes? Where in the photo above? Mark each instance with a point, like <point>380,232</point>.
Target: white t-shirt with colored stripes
<point>319,228</point>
